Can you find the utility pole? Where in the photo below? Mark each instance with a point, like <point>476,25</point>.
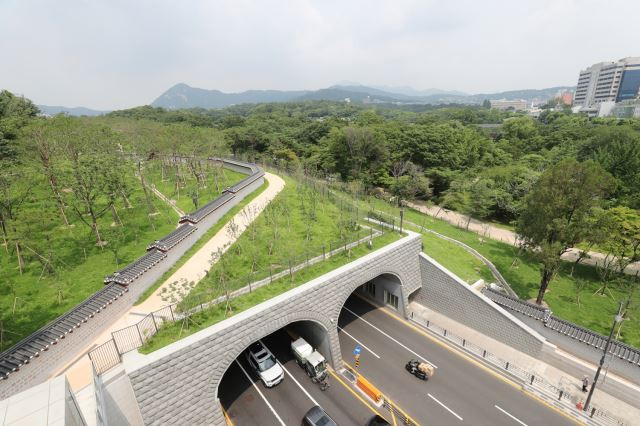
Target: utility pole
<point>616,320</point>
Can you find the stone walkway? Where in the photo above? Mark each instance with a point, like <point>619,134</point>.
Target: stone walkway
<point>505,235</point>
<point>193,270</point>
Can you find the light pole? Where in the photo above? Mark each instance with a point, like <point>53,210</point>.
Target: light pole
<point>616,320</point>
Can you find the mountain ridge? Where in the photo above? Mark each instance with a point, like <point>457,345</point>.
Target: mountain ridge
<point>182,96</point>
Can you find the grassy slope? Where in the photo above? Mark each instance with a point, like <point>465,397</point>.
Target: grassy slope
<point>595,311</point>
<point>40,299</point>
<point>291,245</point>
<point>202,241</point>
<point>172,332</point>
<point>182,194</point>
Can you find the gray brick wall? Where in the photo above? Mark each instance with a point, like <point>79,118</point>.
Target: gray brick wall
<point>178,383</point>
<point>447,294</point>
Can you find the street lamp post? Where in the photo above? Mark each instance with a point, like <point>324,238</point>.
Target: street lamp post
<point>616,320</point>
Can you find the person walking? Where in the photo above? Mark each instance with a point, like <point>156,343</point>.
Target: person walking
<point>585,383</point>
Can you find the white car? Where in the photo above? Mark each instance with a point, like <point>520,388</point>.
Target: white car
<point>265,364</point>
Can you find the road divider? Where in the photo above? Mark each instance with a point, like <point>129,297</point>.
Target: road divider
<point>370,390</point>
<point>376,396</point>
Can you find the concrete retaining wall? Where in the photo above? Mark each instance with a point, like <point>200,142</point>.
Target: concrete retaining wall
<point>178,383</point>
<point>447,294</point>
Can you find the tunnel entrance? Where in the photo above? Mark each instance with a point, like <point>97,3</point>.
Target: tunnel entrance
<point>384,290</point>
<point>265,369</point>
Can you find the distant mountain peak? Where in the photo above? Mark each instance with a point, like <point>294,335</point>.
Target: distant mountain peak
<point>182,96</point>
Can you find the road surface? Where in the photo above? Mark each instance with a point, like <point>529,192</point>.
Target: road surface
<point>461,391</point>
<point>248,402</point>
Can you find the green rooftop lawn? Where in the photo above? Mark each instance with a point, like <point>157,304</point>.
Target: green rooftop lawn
<point>202,241</point>
<point>299,223</point>
<point>173,331</point>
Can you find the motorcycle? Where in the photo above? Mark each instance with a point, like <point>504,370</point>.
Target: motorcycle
<point>419,369</point>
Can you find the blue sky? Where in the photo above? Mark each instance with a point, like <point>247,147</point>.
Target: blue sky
<point>108,54</point>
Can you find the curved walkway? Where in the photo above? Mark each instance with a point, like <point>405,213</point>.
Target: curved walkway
<point>193,270</point>
<point>491,231</point>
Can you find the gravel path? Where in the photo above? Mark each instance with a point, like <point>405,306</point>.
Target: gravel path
<point>491,231</point>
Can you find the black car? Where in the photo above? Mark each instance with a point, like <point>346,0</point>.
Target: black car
<point>377,421</point>
<point>316,416</point>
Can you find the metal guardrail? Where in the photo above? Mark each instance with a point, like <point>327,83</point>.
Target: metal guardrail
<point>531,382</point>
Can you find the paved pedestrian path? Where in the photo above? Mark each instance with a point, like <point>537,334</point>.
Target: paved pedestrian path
<point>505,235</point>
<point>193,270</point>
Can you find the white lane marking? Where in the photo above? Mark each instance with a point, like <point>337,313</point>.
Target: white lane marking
<point>260,393</point>
<point>385,334</point>
<point>293,378</point>
<point>359,342</point>
<point>513,417</point>
<point>444,406</point>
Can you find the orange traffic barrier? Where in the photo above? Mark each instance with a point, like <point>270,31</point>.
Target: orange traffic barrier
<point>370,390</point>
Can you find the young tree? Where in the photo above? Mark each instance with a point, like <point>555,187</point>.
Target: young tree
<point>621,243</point>
<point>556,212</point>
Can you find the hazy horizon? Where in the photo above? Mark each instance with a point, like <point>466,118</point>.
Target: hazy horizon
<point>118,54</point>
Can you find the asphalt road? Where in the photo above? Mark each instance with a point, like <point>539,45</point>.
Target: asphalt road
<point>460,392</point>
<point>248,402</point>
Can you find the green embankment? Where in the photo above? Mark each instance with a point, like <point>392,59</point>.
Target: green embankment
<point>171,332</point>
<point>523,274</point>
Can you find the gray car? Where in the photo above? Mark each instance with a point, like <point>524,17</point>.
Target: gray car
<point>316,416</point>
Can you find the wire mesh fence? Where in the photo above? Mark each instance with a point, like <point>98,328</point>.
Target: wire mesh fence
<point>535,382</point>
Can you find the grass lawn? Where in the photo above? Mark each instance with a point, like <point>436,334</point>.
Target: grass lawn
<point>30,300</point>
<point>202,241</point>
<point>171,332</point>
<point>217,180</point>
<point>523,274</point>
<point>300,222</point>
<point>455,258</point>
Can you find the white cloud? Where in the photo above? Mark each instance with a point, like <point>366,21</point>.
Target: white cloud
<point>115,54</point>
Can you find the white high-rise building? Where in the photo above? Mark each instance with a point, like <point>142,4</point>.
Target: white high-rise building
<point>608,82</point>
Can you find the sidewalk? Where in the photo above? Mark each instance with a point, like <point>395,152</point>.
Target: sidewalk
<point>569,384</point>
<point>494,232</point>
<point>78,372</point>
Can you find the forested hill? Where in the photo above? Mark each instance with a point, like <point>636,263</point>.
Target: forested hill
<point>439,154</point>
<point>182,96</point>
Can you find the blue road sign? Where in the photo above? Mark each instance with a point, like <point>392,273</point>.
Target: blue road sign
<point>357,350</point>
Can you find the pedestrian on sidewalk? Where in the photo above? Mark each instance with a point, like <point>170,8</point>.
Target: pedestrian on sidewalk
<point>585,383</point>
